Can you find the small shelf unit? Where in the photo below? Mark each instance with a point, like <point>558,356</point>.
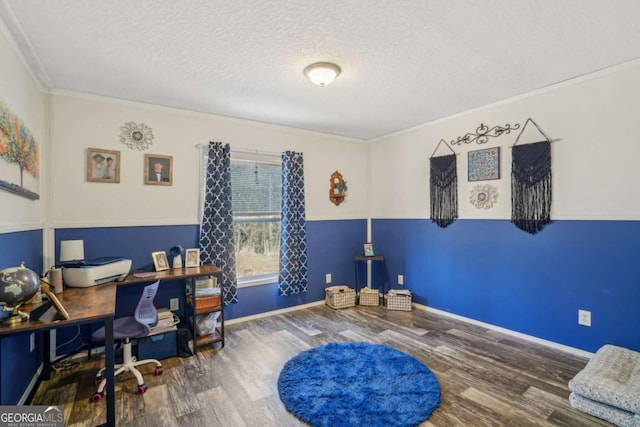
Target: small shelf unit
<point>193,311</point>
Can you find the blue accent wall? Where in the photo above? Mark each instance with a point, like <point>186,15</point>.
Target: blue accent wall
<point>17,363</point>
<point>331,248</point>
<point>489,270</point>
<point>134,243</point>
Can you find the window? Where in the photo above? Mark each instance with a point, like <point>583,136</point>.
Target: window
<point>256,184</point>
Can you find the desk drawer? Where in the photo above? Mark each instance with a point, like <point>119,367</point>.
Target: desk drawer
<point>159,346</point>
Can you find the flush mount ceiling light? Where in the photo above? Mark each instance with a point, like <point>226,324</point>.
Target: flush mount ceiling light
<point>322,73</point>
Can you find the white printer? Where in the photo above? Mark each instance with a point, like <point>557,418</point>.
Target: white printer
<point>94,272</point>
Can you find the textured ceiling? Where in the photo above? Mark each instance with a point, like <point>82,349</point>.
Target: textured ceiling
<point>403,62</point>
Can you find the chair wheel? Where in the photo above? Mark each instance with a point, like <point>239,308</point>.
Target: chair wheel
<point>96,397</point>
<point>142,388</point>
<point>98,380</point>
<point>158,370</point>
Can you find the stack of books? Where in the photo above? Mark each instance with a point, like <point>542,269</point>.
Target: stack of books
<point>166,322</point>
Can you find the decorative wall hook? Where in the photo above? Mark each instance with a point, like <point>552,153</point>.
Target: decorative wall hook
<point>483,133</point>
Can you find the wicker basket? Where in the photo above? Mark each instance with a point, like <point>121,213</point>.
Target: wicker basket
<point>369,298</point>
<point>398,302</point>
<point>207,303</point>
<point>340,297</point>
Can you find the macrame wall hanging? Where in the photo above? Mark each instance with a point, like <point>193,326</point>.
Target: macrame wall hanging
<point>444,187</point>
<point>531,183</point>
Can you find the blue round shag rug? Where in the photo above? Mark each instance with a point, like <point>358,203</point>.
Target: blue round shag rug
<point>358,384</point>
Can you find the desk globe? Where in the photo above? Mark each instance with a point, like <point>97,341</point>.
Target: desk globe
<point>17,285</point>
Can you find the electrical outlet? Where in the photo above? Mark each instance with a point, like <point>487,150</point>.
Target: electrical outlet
<point>327,278</point>
<point>32,342</point>
<point>584,318</point>
<point>174,304</point>
<point>400,279</point>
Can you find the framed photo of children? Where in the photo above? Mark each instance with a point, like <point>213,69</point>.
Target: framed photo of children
<point>160,261</point>
<point>158,169</point>
<point>103,165</point>
<point>193,258</point>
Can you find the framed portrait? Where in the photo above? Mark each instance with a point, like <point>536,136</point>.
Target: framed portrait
<point>367,249</point>
<point>192,258</point>
<point>103,165</point>
<point>158,169</point>
<point>160,261</point>
<point>484,164</point>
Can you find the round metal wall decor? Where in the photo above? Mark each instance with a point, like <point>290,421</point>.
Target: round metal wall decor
<point>483,196</point>
<point>138,136</point>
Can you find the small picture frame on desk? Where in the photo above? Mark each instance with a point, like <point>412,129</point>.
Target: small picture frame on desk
<point>160,261</point>
<point>55,302</point>
<point>367,249</point>
<point>192,258</point>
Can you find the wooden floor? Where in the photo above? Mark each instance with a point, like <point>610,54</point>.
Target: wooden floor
<point>487,378</point>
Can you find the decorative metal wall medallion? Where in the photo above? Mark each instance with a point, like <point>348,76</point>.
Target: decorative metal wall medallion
<point>483,133</point>
<point>483,196</point>
<point>138,136</point>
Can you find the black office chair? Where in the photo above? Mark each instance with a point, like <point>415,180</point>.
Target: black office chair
<point>125,328</point>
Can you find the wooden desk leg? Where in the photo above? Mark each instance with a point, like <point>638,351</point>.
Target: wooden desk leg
<point>46,355</point>
<point>109,368</point>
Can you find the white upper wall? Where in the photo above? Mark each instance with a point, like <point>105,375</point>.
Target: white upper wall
<point>595,165</point>
<point>80,122</point>
<point>26,100</point>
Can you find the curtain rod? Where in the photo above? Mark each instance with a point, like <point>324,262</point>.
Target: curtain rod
<point>270,153</point>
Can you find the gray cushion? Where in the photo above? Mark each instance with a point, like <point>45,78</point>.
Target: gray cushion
<point>612,377</point>
<point>612,414</point>
<point>123,327</point>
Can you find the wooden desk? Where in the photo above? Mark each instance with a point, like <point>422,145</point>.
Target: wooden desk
<point>84,305</point>
<point>94,304</point>
<point>173,274</point>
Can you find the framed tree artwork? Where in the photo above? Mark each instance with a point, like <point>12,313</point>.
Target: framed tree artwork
<point>19,158</point>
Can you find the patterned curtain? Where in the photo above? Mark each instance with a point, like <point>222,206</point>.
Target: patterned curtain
<point>293,229</point>
<point>216,233</point>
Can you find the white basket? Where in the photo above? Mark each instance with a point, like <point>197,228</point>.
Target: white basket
<point>340,297</point>
<point>369,298</point>
<point>398,302</point>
